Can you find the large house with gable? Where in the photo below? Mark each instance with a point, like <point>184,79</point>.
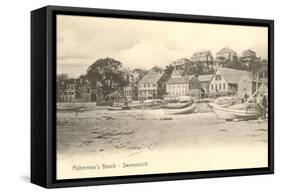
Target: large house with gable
<point>227,81</point>
<point>152,86</point>
<point>183,85</point>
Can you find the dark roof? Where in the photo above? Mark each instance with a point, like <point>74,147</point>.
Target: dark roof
<point>205,78</point>
<point>151,77</point>
<point>233,75</point>
<point>180,80</point>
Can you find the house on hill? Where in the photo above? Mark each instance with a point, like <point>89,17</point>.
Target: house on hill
<point>249,54</point>
<point>248,58</point>
<point>226,54</point>
<point>183,86</point>
<point>203,58</point>
<point>226,81</point>
<point>225,57</point>
<point>182,64</point>
<point>151,86</point>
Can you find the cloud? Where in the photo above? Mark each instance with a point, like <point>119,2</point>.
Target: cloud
<point>143,43</point>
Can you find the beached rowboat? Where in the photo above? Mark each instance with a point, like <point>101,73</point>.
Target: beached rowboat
<point>186,110</point>
<point>231,113</point>
<point>110,108</point>
<point>225,101</point>
<point>70,108</point>
<point>175,105</point>
<point>182,103</point>
<point>148,105</point>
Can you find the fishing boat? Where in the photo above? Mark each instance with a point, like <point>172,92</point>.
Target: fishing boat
<point>187,110</point>
<point>112,108</point>
<point>175,105</point>
<point>148,105</point>
<point>117,108</point>
<point>241,111</point>
<point>225,101</point>
<point>135,106</point>
<point>178,105</point>
<point>70,108</point>
<point>126,108</point>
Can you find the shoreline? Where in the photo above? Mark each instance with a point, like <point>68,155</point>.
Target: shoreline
<point>195,142</point>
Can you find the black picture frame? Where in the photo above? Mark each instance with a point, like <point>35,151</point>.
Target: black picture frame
<point>43,96</point>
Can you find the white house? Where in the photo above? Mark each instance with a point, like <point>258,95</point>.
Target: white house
<point>231,81</point>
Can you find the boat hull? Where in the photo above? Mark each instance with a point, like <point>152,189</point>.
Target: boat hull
<point>114,108</point>
<point>175,106</point>
<point>230,113</point>
<point>71,109</point>
<point>187,110</point>
<point>145,106</point>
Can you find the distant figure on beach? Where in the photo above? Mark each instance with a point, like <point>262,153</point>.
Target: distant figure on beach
<point>245,97</point>
<point>126,102</point>
<point>264,105</point>
<point>258,102</point>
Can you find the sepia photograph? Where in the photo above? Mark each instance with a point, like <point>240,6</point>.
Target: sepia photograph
<point>140,97</point>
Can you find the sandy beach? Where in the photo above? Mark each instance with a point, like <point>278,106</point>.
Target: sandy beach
<point>97,142</point>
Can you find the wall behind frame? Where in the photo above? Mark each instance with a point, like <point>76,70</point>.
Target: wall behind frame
<point>15,95</point>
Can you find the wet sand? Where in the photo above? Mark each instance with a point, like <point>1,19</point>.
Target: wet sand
<point>98,142</point>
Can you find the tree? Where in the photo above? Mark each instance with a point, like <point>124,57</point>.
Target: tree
<point>233,64</point>
<point>199,68</point>
<point>156,69</point>
<point>106,75</point>
<point>169,70</point>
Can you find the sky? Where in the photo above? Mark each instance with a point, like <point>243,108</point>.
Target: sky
<point>81,40</point>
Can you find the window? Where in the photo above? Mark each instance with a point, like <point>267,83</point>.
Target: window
<point>224,86</point>
<point>219,86</point>
<point>212,87</point>
<point>218,77</point>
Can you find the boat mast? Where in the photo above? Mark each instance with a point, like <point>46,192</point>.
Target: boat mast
<point>257,81</point>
